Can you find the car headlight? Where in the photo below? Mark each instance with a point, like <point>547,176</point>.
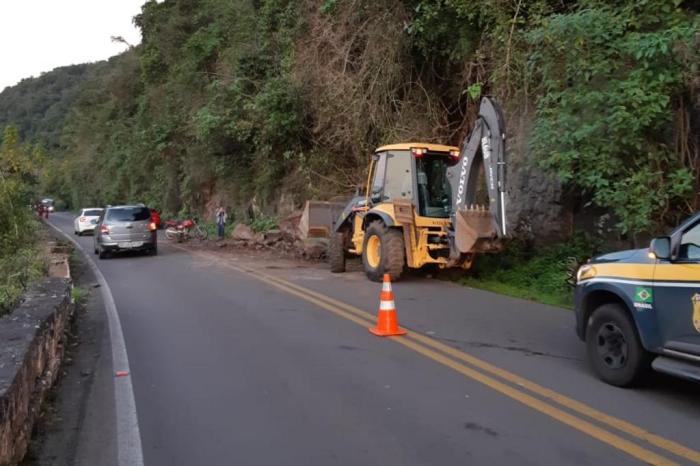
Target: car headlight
<point>585,272</point>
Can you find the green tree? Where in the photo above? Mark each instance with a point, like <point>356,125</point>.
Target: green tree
<point>18,257</point>
<point>612,78</point>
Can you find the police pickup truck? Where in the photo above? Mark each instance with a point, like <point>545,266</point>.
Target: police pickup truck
<point>641,308</point>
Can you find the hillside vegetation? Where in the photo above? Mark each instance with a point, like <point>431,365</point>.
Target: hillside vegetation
<point>20,259</point>
<point>269,102</point>
<point>39,107</point>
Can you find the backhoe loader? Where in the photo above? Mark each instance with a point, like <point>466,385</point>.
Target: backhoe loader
<point>422,204</point>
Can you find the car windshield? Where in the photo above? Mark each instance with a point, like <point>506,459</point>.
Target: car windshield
<point>92,212</point>
<point>128,214</point>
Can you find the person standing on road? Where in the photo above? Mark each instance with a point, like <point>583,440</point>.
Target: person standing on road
<point>221,221</point>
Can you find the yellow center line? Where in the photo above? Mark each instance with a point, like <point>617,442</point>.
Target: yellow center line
<point>581,408</point>
<point>422,344</point>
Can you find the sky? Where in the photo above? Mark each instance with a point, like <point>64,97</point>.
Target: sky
<point>39,35</point>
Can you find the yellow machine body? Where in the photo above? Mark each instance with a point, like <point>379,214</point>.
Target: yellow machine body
<point>423,237</point>
<point>428,204</point>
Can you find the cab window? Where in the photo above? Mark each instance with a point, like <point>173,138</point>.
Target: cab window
<point>378,179</point>
<point>690,244</point>
<point>399,182</point>
<point>434,192</point>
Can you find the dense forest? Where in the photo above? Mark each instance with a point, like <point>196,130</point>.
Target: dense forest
<point>21,259</point>
<point>39,107</point>
<point>263,103</point>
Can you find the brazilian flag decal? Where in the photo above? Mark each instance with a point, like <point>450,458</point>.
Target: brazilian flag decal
<point>643,295</point>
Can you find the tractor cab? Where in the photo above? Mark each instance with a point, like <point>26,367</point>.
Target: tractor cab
<point>416,172</point>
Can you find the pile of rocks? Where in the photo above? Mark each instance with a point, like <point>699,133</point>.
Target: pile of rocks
<point>286,239</point>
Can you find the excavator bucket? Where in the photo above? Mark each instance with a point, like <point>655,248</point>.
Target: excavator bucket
<point>478,228</point>
<point>472,225</point>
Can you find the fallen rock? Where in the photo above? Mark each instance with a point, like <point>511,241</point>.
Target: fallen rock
<point>243,232</point>
<point>315,248</point>
<point>289,225</point>
<point>273,236</point>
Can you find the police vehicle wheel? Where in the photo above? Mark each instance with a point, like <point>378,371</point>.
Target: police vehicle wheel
<point>336,252</point>
<point>613,346</point>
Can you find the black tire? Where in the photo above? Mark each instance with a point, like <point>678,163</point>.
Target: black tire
<point>336,252</point>
<point>102,254</point>
<point>392,254</point>
<point>153,251</point>
<point>613,347</point>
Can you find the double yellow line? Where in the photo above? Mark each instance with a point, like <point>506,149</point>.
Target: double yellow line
<point>513,386</point>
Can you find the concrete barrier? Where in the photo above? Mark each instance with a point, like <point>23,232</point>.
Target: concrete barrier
<point>32,341</point>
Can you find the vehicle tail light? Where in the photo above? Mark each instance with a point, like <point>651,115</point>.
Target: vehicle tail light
<point>418,152</point>
<point>104,229</point>
<point>152,226</point>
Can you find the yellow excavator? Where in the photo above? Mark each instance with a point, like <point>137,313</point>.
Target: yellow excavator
<point>422,205</point>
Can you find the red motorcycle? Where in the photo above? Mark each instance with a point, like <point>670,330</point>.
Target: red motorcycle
<point>183,230</point>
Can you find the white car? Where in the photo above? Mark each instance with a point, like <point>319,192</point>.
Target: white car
<point>48,203</point>
<point>86,220</point>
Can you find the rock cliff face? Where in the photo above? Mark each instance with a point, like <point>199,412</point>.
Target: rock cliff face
<point>33,339</point>
<point>536,206</point>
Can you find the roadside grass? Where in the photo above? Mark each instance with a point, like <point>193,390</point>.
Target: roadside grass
<point>78,295</point>
<point>263,223</point>
<point>561,299</point>
<point>543,274</point>
<point>73,257</point>
<point>19,266</point>
<point>212,231</point>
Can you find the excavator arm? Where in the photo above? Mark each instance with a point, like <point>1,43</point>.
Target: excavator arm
<point>478,228</point>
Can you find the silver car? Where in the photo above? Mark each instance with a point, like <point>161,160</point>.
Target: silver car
<point>125,228</point>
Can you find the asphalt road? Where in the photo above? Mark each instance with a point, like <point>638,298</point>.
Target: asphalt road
<point>238,360</point>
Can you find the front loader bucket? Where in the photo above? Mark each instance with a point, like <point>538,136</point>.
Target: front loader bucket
<point>318,217</point>
<point>474,230</point>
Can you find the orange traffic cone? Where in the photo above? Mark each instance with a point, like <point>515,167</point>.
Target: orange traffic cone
<point>387,322</point>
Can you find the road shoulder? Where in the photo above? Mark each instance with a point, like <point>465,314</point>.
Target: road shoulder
<point>77,427</point>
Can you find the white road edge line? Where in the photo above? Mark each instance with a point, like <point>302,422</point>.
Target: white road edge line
<point>129,449</point>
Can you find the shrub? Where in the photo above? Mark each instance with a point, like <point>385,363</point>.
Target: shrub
<point>542,274</point>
